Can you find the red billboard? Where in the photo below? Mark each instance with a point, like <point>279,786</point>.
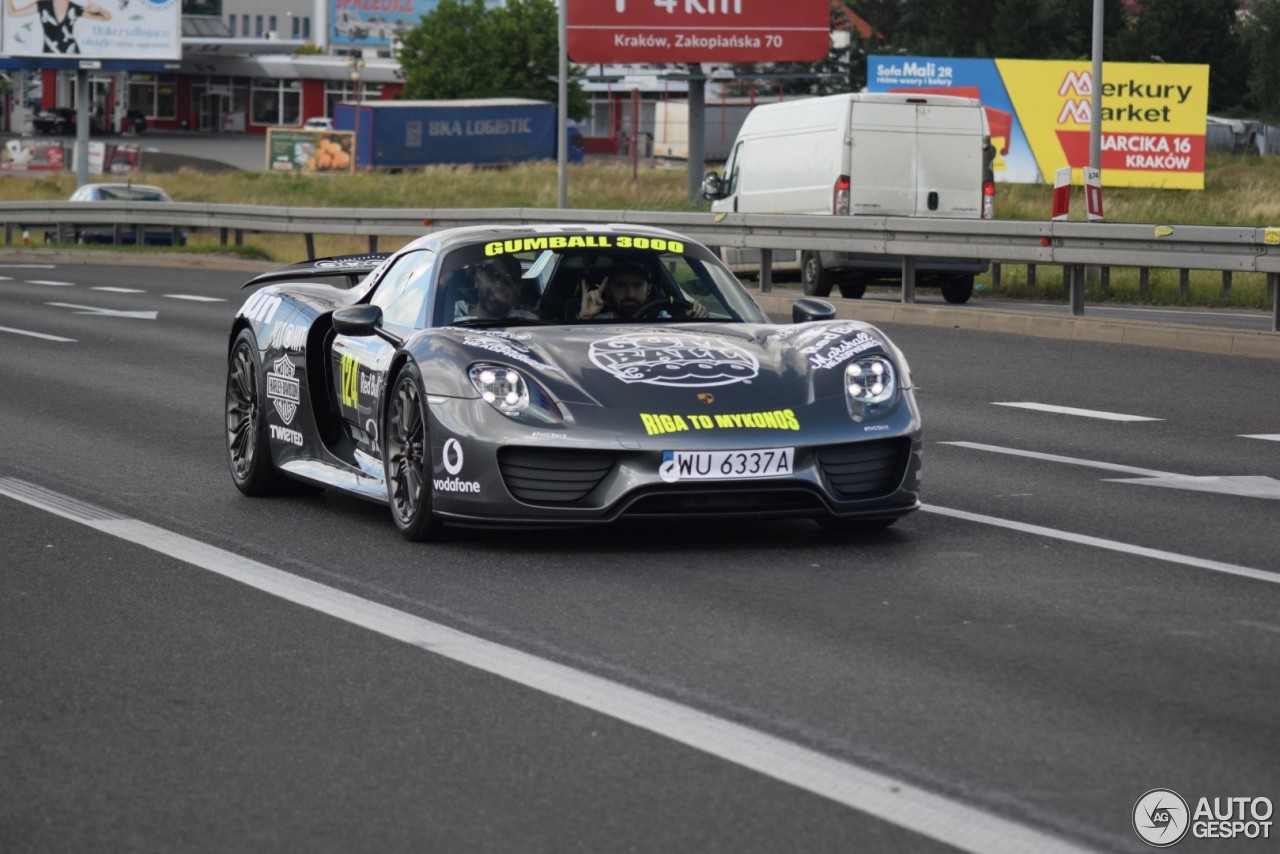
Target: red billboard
<point>669,31</point>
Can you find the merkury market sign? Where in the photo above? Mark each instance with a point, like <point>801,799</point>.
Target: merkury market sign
<point>1153,114</point>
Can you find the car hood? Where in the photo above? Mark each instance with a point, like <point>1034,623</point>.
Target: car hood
<point>640,367</point>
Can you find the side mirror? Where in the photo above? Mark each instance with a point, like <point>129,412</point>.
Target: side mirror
<point>808,310</point>
<point>358,321</point>
<point>712,186</point>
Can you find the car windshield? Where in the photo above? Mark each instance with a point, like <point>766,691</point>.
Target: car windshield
<point>132,194</point>
<point>587,278</point>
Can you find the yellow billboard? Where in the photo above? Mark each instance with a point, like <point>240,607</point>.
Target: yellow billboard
<point>1153,118</point>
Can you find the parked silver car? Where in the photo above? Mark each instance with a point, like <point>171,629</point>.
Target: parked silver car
<point>114,192</point>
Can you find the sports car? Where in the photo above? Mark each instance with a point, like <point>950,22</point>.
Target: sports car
<point>403,379</point>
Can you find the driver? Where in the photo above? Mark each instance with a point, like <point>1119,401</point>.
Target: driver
<point>623,293</point>
<point>497,287</point>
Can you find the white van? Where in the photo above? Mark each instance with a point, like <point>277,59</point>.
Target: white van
<point>869,154</point>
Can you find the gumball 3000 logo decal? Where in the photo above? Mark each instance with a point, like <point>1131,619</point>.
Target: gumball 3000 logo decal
<point>674,359</point>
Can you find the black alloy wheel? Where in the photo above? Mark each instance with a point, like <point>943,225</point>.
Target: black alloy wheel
<point>247,449</point>
<point>406,456</point>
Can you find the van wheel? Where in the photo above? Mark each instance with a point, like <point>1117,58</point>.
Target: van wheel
<point>957,289</point>
<point>852,289</point>
<point>816,280</point>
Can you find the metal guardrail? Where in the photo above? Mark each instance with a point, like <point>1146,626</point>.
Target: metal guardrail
<point>1072,245</point>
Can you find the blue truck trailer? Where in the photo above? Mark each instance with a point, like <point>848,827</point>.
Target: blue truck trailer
<point>406,134</point>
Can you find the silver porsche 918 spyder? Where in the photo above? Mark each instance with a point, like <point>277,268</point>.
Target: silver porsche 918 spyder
<point>535,376</point>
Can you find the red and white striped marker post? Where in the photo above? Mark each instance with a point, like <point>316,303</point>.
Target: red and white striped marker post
<point>1093,193</point>
<point>1062,193</point>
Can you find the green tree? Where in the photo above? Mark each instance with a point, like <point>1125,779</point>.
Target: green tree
<point>1054,29</point>
<point>464,49</point>
<point>1262,35</point>
<point>1204,32</point>
<point>947,27</point>
<point>882,15</point>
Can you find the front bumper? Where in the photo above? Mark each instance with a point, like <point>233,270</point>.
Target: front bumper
<point>501,472</point>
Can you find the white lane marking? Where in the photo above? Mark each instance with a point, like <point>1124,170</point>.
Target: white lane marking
<point>1270,437</point>
<point>50,283</point>
<point>1055,458</point>
<point>118,290</point>
<point>894,801</point>
<point>1084,413</point>
<point>193,298</point>
<point>1110,545</point>
<point>28,266</point>
<point>106,312</point>
<point>37,335</point>
<point>1247,486</point>
<point>1254,624</point>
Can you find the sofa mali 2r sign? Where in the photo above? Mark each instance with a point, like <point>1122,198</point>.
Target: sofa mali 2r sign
<point>675,31</point>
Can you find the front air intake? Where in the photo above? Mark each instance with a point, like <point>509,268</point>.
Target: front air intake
<point>552,477</point>
<point>865,469</point>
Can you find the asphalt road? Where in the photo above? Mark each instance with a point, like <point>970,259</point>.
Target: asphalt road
<point>1088,608</point>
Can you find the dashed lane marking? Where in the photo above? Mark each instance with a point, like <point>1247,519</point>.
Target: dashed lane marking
<point>1083,413</point>
<point>49,283</point>
<point>1246,486</point>
<point>1110,545</point>
<point>191,298</point>
<point>106,289</point>
<point>106,312</point>
<point>39,335</point>
<point>1270,437</point>
<point>1056,458</point>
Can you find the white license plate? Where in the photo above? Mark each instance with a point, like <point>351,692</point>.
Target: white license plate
<point>727,465</point>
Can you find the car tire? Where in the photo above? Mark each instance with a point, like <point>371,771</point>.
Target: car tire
<point>248,448</point>
<point>815,279</point>
<point>406,454</point>
<point>852,289</point>
<point>957,289</point>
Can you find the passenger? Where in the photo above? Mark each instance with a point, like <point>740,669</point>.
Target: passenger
<point>623,293</point>
<point>496,283</point>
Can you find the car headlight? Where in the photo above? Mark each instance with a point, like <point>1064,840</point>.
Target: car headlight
<point>513,394</point>
<point>870,386</point>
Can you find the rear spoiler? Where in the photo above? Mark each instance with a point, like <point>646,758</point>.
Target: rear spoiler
<point>353,267</point>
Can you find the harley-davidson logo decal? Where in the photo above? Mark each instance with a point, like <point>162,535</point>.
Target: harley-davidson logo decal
<point>282,388</point>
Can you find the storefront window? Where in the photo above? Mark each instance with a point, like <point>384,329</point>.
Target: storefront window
<point>154,95</point>
<point>211,8</point>
<point>277,102</point>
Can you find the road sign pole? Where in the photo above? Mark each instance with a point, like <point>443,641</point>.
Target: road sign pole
<point>562,112</point>
<point>697,133</point>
